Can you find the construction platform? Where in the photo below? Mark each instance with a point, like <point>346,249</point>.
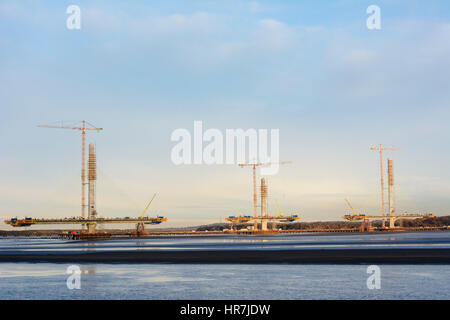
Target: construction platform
<point>366,219</point>
<point>90,223</point>
<point>30,221</point>
<point>279,218</point>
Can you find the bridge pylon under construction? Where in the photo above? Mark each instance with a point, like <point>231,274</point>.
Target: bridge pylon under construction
<point>391,217</point>
<point>264,217</point>
<point>92,219</point>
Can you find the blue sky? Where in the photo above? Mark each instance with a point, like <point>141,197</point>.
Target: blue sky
<point>143,69</point>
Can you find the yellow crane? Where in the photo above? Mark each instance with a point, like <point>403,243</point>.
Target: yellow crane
<point>290,218</point>
<point>279,209</point>
<point>351,207</point>
<point>140,225</point>
<point>355,215</point>
<point>145,210</point>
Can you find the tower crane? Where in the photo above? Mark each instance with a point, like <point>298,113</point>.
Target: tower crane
<point>255,197</point>
<point>85,126</point>
<point>380,148</point>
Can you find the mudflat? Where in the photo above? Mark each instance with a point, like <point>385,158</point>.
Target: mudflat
<point>316,256</point>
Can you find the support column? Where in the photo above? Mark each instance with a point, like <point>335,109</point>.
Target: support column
<point>91,227</point>
<point>263,204</point>
<point>264,224</point>
<point>255,200</point>
<point>263,198</point>
<point>391,222</point>
<point>92,177</point>
<point>140,228</point>
<point>391,192</point>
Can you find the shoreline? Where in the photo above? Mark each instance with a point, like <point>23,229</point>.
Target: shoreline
<point>202,234</point>
<point>318,256</point>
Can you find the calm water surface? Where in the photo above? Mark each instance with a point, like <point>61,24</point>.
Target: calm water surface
<point>206,281</point>
<point>225,281</point>
<point>286,242</point>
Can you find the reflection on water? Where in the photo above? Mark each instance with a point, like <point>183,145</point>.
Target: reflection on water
<point>285,242</point>
<point>90,269</point>
<point>221,281</point>
<point>218,281</point>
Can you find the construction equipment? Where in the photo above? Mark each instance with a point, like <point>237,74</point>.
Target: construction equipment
<point>292,218</point>
<point>20,222</point>
<point>92,219</point>
<point>264,218</point>
<point>145,210</point>
<point>239,219</point>
<point>281,217</point>
<point>365,225</point>
<point>83,128</point>
<point>380,148</point>
<point>391,217</point>
<point>255,196</point>
<point>140,227</point>
<point>355,216</point>
<point>279,209</point>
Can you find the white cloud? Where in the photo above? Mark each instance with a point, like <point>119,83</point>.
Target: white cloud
<point>275,35</point>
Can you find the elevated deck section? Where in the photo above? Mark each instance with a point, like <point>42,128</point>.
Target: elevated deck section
<point>30,221</point>
<point>279,218</point>
<point>352,217</point>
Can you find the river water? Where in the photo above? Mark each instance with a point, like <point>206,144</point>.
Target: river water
<point>225,281</point>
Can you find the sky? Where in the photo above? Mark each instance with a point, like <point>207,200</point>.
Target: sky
<point>141,70</point>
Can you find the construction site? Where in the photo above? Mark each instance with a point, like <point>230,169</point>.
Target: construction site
<point>88,223</point>
<point>260,223</point>
<point>391,217</point>
<point>264,218</point>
